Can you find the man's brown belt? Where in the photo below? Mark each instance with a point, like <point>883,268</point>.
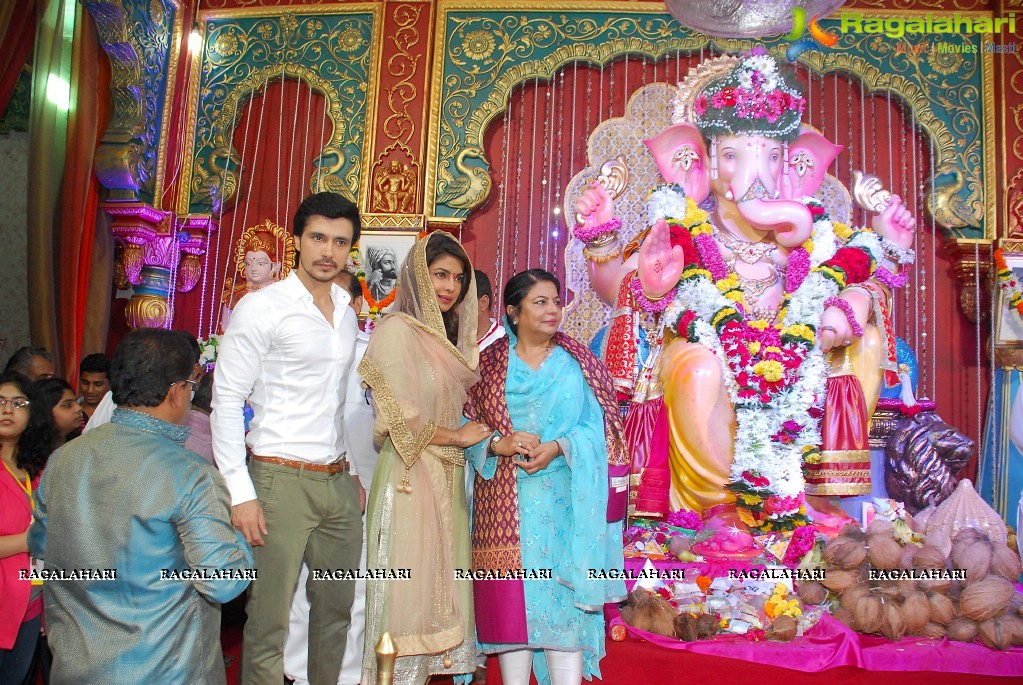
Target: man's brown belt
<point>336,467</point>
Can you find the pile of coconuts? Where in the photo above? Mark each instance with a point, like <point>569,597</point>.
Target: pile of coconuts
<point>984,605</point>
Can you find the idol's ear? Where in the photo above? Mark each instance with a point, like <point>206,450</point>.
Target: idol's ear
<point>681,157</point>
<point>810,155</point>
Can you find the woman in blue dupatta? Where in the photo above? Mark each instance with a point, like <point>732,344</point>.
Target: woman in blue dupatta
<point>541,540</point>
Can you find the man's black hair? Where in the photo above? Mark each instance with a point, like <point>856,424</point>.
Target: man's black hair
<point>329,206</point>
<point>95,363</point>
<point>147,362</point>
<point>483,286</point>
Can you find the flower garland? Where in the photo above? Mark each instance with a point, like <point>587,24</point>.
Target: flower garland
<point>775,374</point>
<point>1008,282</point>
<point>208,349</point>
<point>355,266</point>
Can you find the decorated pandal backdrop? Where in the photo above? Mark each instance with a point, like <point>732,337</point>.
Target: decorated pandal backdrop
<point>489,122</point>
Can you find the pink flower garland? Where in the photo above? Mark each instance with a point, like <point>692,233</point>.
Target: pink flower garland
<point>797,270</point>
<point>588,234</point>
<point>849,313</point>
<point>644,303</point>
<point>711,256</point>
<point>886,277</point>
<point>683,518</point>
<point>803,540</point>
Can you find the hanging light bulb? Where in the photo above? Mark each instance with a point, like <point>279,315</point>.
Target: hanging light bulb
<point>195,38</point>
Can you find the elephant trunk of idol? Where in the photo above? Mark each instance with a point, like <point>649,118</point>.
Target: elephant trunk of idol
<point>789,220</point>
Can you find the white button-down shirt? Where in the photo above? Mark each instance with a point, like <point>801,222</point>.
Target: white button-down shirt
<point>281,355</point>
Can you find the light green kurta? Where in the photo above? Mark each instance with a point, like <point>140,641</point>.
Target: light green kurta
<point>416,520</point>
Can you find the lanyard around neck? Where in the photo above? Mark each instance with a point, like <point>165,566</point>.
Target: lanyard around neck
<point>26,487</point>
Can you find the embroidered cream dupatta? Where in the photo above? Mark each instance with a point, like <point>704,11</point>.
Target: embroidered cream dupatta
<point>419,382</point>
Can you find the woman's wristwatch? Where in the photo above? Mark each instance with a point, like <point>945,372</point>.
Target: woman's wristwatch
<point>492,446</point>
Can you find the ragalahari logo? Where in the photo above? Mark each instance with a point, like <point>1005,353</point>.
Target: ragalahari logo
<point>818,38</point>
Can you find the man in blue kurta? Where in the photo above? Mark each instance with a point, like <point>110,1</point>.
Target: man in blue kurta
<point>140,529</point>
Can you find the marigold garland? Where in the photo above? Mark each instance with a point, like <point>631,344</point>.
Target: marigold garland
<point>775,374</point>
<point>1008,282</point>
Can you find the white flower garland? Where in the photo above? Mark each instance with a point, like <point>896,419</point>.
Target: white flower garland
<point>754,450</point>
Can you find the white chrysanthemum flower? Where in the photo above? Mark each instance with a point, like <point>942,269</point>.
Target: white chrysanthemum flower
<point>746,79</point>
<point>765,64</point>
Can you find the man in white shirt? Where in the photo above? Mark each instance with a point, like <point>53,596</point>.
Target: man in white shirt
<point>490,330</point>
<point>359,418</point>
<point>288,351</point>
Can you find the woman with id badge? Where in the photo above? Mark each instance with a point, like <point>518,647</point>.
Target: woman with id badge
<point>25,443</point>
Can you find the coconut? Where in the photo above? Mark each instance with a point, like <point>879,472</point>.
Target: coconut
<point>685,627</point>
<point>853,532</point>
<point>996,633</point>
<point>908,552</point>
<point>812,592</point>
<point>916,611</point>
<point>1015,623</point>
<point>782,630</point>
<point>851,595</point>
<point>893,624</point>
<point>939,585</point>
<point>932,630</point>
<point>906,586</point>
<point>838,579</point>
<point>972,556</point>
<point>883,551</point>
<point>969,534</point>
<point>844,616</point>
<point>929,557</point>
<point>881,527</point>
<point>649,612</point>
<point>706,626</point>
<point>1005,563</point>
<point>943,609</point>
<point>985,599</point>
<point>844,552</point>
<point>962,630</point>
<point>868,614</point>
<point>941,540</point>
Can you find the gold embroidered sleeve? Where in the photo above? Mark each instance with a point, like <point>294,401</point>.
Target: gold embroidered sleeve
<point>409,444</point>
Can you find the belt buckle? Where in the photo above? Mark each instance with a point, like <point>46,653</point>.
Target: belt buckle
<point>341,462</point>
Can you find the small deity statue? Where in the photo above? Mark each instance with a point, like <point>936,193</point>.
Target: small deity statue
<point>264,254</point>
<point>395,188</point>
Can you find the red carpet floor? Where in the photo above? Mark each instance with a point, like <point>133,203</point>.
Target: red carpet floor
<point>637,662</point>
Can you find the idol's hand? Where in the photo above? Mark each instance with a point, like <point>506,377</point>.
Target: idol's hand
<point>660,263</point>
<point>595,206</point>
<point>248,518</point>
<point>896,223</point>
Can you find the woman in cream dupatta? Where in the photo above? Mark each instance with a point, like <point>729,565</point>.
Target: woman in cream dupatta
<point>420,362</point>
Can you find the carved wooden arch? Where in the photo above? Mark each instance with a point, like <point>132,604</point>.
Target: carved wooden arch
<point>216,180</point>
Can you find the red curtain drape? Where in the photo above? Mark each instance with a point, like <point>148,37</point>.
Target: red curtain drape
<point>79,199</point>
<point>17,36</point>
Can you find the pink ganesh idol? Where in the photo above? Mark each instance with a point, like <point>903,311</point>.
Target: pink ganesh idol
<point>750,331</point>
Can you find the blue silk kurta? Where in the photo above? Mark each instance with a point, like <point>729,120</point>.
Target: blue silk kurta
<point>128,496</point>
<point>562,521</point>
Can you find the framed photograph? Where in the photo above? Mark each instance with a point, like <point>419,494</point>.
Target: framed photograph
<point>382,254</point>
<point>1009,329</point>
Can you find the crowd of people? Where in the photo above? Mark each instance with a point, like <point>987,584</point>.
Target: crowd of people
<point>483,442</point>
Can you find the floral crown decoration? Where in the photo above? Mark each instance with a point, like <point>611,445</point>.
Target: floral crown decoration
<point>755,98</point>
